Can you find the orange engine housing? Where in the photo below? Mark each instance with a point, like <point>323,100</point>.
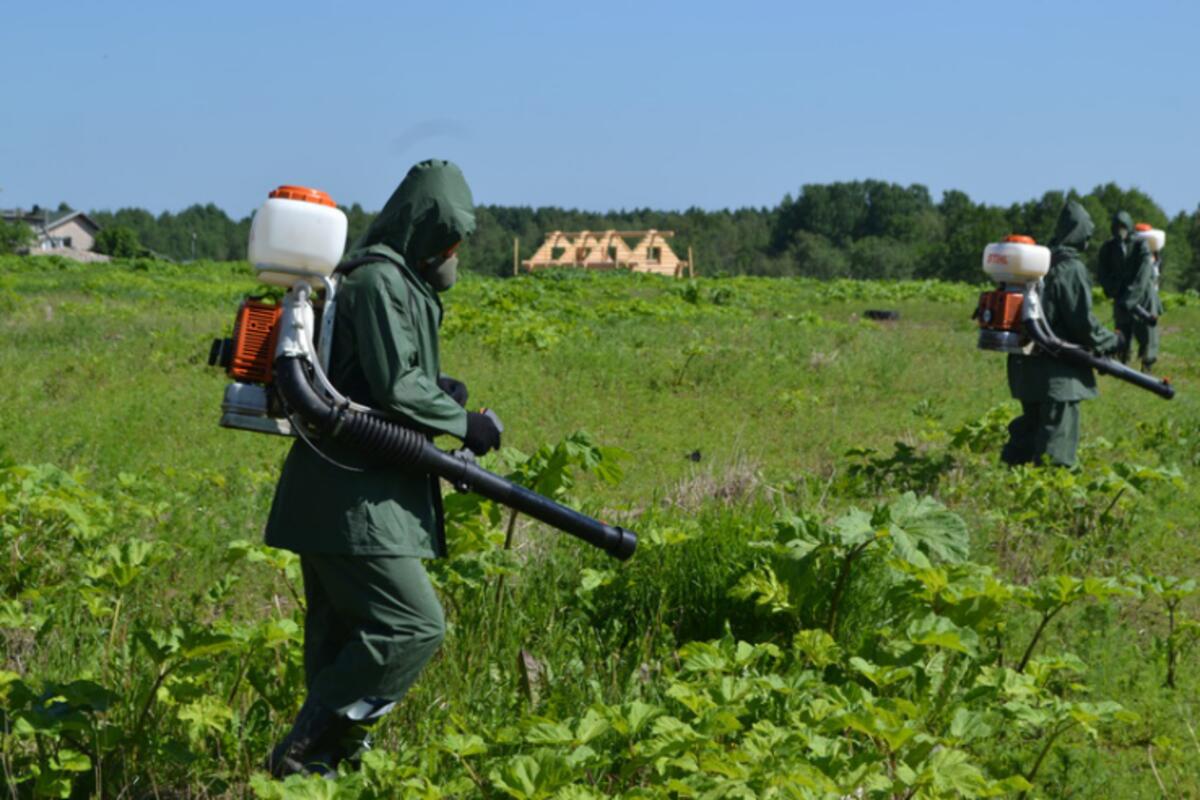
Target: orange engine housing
<point>1000,310</point>
<point>254,335</point>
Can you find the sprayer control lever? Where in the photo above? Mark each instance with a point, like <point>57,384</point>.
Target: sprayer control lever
<point>464,454</point>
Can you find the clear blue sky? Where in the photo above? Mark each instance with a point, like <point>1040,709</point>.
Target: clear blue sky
<point>597,106</point>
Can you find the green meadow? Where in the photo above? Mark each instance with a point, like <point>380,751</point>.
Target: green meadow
<point>839,591</point>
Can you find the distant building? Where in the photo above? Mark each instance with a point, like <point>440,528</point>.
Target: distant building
<point>609,250</point>
<point>61,232</point>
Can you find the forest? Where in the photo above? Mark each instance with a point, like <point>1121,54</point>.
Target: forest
<point>857,229</point>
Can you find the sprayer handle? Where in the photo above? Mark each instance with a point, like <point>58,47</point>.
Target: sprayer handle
<point>494,417</point>
<point>467,455</point>
<point>463,454</point>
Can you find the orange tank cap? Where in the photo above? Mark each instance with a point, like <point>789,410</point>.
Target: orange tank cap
<point>303,193</point>
<point>1017,238</point>
<point>1143,226</point>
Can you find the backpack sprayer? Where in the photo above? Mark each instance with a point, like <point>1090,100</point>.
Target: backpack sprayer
<point>279,354</point>
<point>1011,318</point>
<point>1155,239</point>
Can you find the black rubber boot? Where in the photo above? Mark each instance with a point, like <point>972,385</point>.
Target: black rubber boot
<point>307,744</point>
<point>348,750</point>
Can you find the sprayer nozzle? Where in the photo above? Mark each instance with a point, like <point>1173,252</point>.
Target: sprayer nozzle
<point>624,545</point>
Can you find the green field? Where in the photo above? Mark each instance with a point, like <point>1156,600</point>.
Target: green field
<point>1014,634</point>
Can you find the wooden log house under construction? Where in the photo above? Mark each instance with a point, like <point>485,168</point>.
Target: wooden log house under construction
<point>608,250</point>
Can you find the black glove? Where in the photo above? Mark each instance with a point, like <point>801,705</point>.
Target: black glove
<point>483,434</point>
<point>1121,351</point>
<point>456,389</point>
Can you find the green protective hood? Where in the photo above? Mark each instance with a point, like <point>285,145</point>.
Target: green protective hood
<point>430,211</point>
<point>1122,218</point>
<point>1074,227</point>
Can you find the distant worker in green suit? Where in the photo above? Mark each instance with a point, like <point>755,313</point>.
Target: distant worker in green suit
<point>1148,352</point>
<point>1050,390</point>
<point>1127,275</point>
<point>372,620</point>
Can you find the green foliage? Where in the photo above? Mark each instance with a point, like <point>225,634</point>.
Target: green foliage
<point>920,702</point>
<point>14,236</point>
<point>905,469</point>
<point>907,620</point>
<point>119,241</point>
<point>137,690</point>
<point>197,232</point>
<point>857,229</point>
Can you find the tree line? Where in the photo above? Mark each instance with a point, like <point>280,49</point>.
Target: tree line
<point>852,229</point>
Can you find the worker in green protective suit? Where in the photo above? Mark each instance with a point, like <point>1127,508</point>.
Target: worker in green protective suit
<point>1050,390</point>
<point>1127,275</point>
<point>1148,338</point>
<point>372,619</point>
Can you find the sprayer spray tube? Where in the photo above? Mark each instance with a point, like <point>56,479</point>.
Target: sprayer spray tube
<point>299,373</point>
<point>614,540</point>
<point>1039,331</point>
<point>391,443</point>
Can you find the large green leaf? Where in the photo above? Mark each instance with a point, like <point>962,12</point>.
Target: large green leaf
<point>532,777</point>
<point>922,528</point>
<point>932,630</point>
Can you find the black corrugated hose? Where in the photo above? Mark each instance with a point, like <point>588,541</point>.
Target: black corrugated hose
<point>391,443</point>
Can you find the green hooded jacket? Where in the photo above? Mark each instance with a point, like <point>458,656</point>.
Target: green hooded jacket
<point>1126,271</point>
<point>1067,303</point>
<point>385,355</point>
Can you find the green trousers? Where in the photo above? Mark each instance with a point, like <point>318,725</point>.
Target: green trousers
<point>1049,428</point>
<point>1146,337</point>
<point>1144,334</point>
<point>372,623</point>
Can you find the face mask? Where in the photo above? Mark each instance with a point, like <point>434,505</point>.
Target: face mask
<point>441,275</point>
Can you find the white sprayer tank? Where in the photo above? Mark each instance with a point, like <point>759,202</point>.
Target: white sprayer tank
<point>300,233</point>
<point>1154,238</point>
<point>1017,259</point>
